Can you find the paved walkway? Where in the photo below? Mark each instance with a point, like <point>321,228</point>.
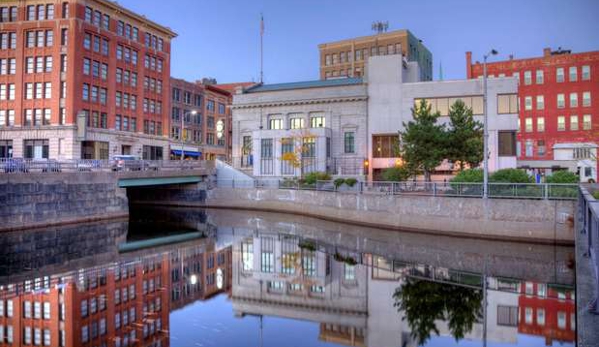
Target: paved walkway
<point>587,324</point>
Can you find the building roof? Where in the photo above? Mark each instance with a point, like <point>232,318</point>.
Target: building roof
<point>119,8</point>
<point>574,145</point>
<point>305,84</point>
<point>393,33</point>
<point>230,87</point>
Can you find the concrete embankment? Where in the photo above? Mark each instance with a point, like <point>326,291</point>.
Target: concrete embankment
<point>539,221</point>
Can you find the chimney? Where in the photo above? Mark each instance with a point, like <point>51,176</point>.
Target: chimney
<point>468,65</point>
<point>546,52</point>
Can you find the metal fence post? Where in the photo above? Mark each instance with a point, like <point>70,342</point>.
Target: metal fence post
<point>434,188</point>
<point>545,191</point>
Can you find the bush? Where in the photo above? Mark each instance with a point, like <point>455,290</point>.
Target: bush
<point>312,177</point>
<point>510,176</point>
<point>338,182</point>
<point>469,176</point>
<point>351,182</point>
<point>563,176</point>
<point>596,194</point>
<point>396,174</point>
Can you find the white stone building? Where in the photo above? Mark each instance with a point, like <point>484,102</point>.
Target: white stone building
<point>356,121</point>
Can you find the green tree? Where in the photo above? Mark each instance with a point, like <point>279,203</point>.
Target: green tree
<point>423,141</point>
<point>396,174</point>
<point>423,302</point>
<point>464,137</point>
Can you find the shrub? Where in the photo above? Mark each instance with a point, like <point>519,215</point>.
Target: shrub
<point>312,177</point>
<point>510,176</point>
<point>469,176</point>
<point>338,182</point>
<point>596,194</point>
<point>563,176</point>
<point>396,174</point>
<point>351,182</point>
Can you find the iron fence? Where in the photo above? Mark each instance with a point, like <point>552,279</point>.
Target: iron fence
<point>24,166</point>
<point>544,191</point>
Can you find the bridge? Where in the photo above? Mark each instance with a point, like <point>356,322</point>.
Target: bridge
<point>41,194</point>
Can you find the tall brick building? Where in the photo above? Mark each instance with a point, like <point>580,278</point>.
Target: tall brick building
<point>82,79</point>
<point>206,114</point>
<point>558,109</point>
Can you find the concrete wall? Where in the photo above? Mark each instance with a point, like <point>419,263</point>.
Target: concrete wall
<point>507,219</point>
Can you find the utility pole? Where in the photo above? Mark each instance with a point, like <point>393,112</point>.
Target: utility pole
<point>486,128</point>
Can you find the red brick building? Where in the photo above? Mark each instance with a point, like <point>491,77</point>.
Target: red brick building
<point>205,110</point>
<point>557,106</point>
<point>82,79</point>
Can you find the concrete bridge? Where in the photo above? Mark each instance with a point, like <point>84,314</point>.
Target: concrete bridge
<point>41,198</point>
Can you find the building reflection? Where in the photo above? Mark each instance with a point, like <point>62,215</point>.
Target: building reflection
<point>125,302</point>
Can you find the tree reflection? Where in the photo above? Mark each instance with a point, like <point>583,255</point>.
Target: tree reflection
<point>423,302</point>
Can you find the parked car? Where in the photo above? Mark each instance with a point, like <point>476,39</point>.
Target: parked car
<point>128,163</point>
<point>13,165</point>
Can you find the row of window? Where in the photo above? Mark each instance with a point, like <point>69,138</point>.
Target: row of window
<point>124,123</point>
<point>36,310</point>
<point>126,101</point>
<point>561,123</point>
<point>153,63</point>
<point>9,14</point>
<point>127,78</point>
<point>40,12</point>
<point>97,18</point>
<point>93,330</point>
<point>8,66</point>
<point>561,101</point>
<point>38,90</point>
<point>154,42</point>
<point>36,339</point>
<point>7,118</point>
<point>152,128</point>
<point>37,117</point>
<point>127,54</point>
<point>188,116</point>
<point>8,40</point>
<point>152,106</point>
<point>38,64</point>
<point>153,85</point>
<point>95,68</point>
<point>585,72</point>
<point>187,97</point>
<point>344,73</point>
<point>361,54</point>
<point>93,305</point>
<point>39,38</point>
<point>94,94</point>
<point>97,44</point>
<point>443,105</point>
<point>296,122</point>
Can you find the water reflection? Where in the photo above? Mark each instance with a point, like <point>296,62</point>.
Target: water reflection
<point>285,280</point>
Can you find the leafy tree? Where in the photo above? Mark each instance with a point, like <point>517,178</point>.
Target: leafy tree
<point>423,141</point>
<point>396,174</point>
<point>464,137</point>
<point>424,302</point>
<point>563,176</point>
<point>296,149</point>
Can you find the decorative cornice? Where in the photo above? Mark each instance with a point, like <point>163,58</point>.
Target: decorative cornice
<point>299,102</point>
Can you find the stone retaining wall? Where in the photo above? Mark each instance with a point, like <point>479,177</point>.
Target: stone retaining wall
<point>542,221</point>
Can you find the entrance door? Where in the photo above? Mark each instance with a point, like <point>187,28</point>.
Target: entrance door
<point>125,150</point>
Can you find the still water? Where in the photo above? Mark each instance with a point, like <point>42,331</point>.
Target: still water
<point>189,277</point>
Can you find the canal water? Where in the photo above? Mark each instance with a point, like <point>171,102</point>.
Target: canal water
<point>190,277</point>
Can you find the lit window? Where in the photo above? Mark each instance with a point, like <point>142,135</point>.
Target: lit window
<point>540,102</point>
<point>528,125</point>
<point>561,123</point>
<point>573,99</point>
<point>574,122</point>
<point>586,122</point>
<point>541,124</point>
<point>586,99</point>
<point>561,101</point>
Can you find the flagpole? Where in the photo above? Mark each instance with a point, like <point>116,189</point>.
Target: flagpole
<point>261,48</point>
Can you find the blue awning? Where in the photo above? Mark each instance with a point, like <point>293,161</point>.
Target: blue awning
<point>186,153</point>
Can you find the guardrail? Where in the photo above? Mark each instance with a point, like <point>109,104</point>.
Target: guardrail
<point>589,217</point>
<point>543,191</point>
<point>24,166</point>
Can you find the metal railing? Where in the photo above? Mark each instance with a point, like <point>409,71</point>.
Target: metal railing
<point>24,166</point>
<point>589,217</point>
<point>543,191</point>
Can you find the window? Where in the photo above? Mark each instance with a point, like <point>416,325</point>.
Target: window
<point>586,72</point>
<point>561,101</point>
<point>275,124</point>
<point>36,149</point>
<point>527,78</point>
<point>349,272</point>
<point>586,99</point>
<point>528,103</point>
<point>528,124</point>
<point>573,74</point>
<point>87,41</point>
<point>507,315</point>
<point>85,92</point>
<point>574,122</point>
<point>561,320</point>
<point>540,102</point>
<point>541,149</point>
<point>384,146</point>
<point>317,122</point>
<point>349,142</point>
<point>559,74</point>
<point>507,103</point>
<point>540,77</point>
<point>586,122</point>
<point>573,99</point>
<point>561,123</point>
<point>507,143</point>
<point>540,124</point>
<point>296,123</point>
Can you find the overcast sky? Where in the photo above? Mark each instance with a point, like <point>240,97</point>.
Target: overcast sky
<point>221,39</point>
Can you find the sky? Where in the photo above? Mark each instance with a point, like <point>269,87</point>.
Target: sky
<point>221,39</point>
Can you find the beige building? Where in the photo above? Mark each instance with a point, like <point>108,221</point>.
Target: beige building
<point>346,58</point>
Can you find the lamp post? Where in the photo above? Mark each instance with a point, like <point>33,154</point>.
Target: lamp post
<point>486,128</point>
<point>194,112</point>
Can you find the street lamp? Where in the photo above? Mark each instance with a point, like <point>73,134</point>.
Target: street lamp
<point>194,112</point>
<point>486,128</point>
